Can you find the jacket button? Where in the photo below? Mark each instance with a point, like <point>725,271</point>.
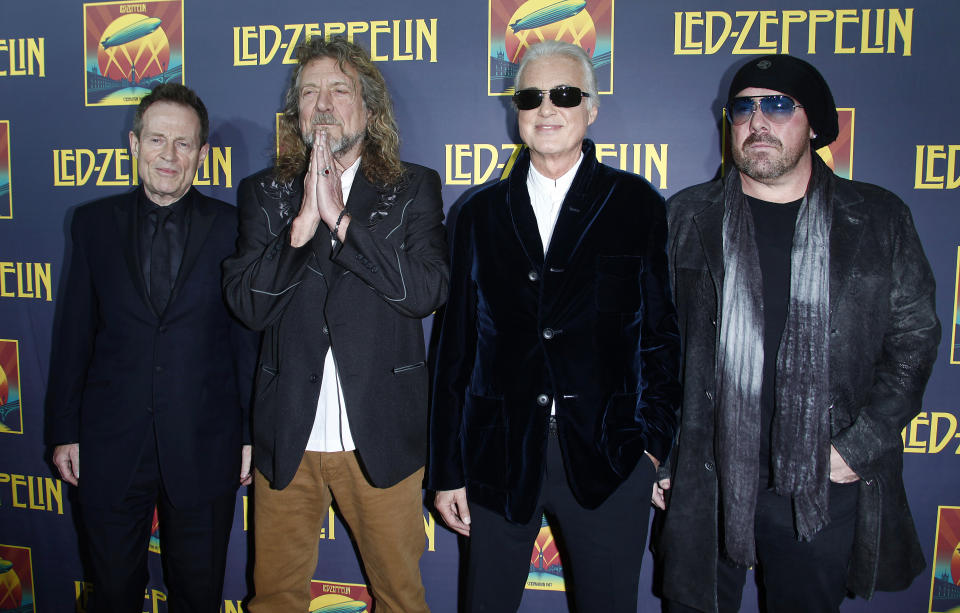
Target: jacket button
<point>533,276</point>
<point>158,368</point>
<point>543,400</point>
<point>162,329</point>
<point>548,333</point>
<point>313,378</point>
<point>149,409</point>
<point>708,466</point>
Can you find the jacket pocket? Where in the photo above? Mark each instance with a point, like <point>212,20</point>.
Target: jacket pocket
<point>618,283</point>
<point>408,367</point>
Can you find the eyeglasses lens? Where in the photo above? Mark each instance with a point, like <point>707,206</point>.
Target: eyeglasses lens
<point>778,109</point>
<point>564,97</point>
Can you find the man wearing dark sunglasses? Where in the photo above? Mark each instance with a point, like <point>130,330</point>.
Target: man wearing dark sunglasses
<point>556,385</point>
<point>807,309</point>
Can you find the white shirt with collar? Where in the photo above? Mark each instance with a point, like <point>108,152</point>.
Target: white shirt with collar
<point>546,196</point>
<point>331,430</point>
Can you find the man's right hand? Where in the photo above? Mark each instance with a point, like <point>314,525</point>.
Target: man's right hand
<point>659,498</point>
<point>453,508</point>
<point>67,460</point>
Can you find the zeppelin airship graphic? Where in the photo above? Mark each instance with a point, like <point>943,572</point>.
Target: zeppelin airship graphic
<point>551,13</point>
<point>336,603</point>
<point>135,30</point>
<point>5,565</point>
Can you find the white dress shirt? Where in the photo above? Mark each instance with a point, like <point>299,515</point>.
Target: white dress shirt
<point>331,430</point>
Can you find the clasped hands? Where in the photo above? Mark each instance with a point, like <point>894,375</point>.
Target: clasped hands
<point>322,195</point>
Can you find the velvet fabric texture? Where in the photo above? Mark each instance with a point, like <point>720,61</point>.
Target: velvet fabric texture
<point>884,336</point>
<point>590,325</point>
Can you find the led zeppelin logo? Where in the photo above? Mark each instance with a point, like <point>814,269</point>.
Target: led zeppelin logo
<point>516,25</point>
<point>16,580</point>
<point>945,582</point>
<point>330,597</point>
<point>131,47</point>
<point>11,416</point>
<point>838,155</point>
<point>6,200</point>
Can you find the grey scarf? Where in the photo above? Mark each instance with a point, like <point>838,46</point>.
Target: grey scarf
<point>800,444</point>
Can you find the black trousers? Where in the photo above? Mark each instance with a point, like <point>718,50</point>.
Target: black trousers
<point>795,576</point>
<point>601,549</point>
<point>193,542</point>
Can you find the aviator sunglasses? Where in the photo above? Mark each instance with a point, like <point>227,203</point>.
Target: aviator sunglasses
<point>778,108</point>
<point>564,96</point>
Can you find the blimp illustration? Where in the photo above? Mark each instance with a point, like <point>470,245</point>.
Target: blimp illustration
<point>135,30</point>
<point>552,13</point>
<point>337,603</point>
<point>5,565</point>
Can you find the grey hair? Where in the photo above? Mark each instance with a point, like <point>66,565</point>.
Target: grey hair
<point>555,47</point>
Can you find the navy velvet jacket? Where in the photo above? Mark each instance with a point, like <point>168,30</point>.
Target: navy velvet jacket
<point>590,325</point>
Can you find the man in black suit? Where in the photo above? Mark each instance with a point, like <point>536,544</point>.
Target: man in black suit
<point>150,375</point>
<point>341,254</point>
<point>556,386</point>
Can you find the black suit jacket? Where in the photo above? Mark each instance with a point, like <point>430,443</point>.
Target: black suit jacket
<point>365,296</point>
<point>590,325</point>
<point>119,369</point>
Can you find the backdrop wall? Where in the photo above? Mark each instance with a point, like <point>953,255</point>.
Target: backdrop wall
<point>70,73</point>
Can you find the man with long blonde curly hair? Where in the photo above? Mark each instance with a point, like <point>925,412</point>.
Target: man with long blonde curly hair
<point>341,253</point>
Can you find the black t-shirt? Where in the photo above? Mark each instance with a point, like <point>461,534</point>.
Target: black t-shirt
<point>773,229</point>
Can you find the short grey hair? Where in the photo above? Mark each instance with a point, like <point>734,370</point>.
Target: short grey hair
<point>556,47</point>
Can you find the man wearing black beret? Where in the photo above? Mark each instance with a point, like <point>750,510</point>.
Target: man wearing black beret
<point>806,305</point>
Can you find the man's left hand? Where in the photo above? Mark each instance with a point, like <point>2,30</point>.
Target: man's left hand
<point>840,471</point>
<point>246,454</point>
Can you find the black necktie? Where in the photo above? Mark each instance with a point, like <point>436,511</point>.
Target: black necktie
<point>160,285</point>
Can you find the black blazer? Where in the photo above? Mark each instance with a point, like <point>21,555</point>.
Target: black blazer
<point>590,325</point>
<point>366,297</point>
<point>119,369</point>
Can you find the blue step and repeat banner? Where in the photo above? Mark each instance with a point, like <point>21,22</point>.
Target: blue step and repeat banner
<point>71,73</point>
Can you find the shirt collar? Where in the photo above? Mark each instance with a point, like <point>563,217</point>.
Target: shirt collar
<point>544,184</point>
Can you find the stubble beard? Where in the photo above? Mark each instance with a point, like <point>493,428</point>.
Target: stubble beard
<point>338,147</point>
<point>766,165</point>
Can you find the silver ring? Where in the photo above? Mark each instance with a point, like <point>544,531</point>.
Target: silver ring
<point>326,170</point>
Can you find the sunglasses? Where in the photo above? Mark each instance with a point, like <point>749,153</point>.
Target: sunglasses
<point>564,96</point>
<point>778,109</point>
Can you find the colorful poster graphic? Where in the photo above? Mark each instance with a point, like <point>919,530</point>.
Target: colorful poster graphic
<point>6,199</point>
<point>515,25</point>
<point>955,344</point>
<point>129,48</point>
<point>11,415</point>
<point>546,568</point>
<point>945,582</point>
<point>16,580</point>
<point>332,597</point>
<point>838,155</point>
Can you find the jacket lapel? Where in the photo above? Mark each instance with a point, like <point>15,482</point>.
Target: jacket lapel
<point>201,220</point>
<point>125,214</point>
<point>521,213</point>
<point>846,232</point>
<point>709,223</point>
<point>580,207</point>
